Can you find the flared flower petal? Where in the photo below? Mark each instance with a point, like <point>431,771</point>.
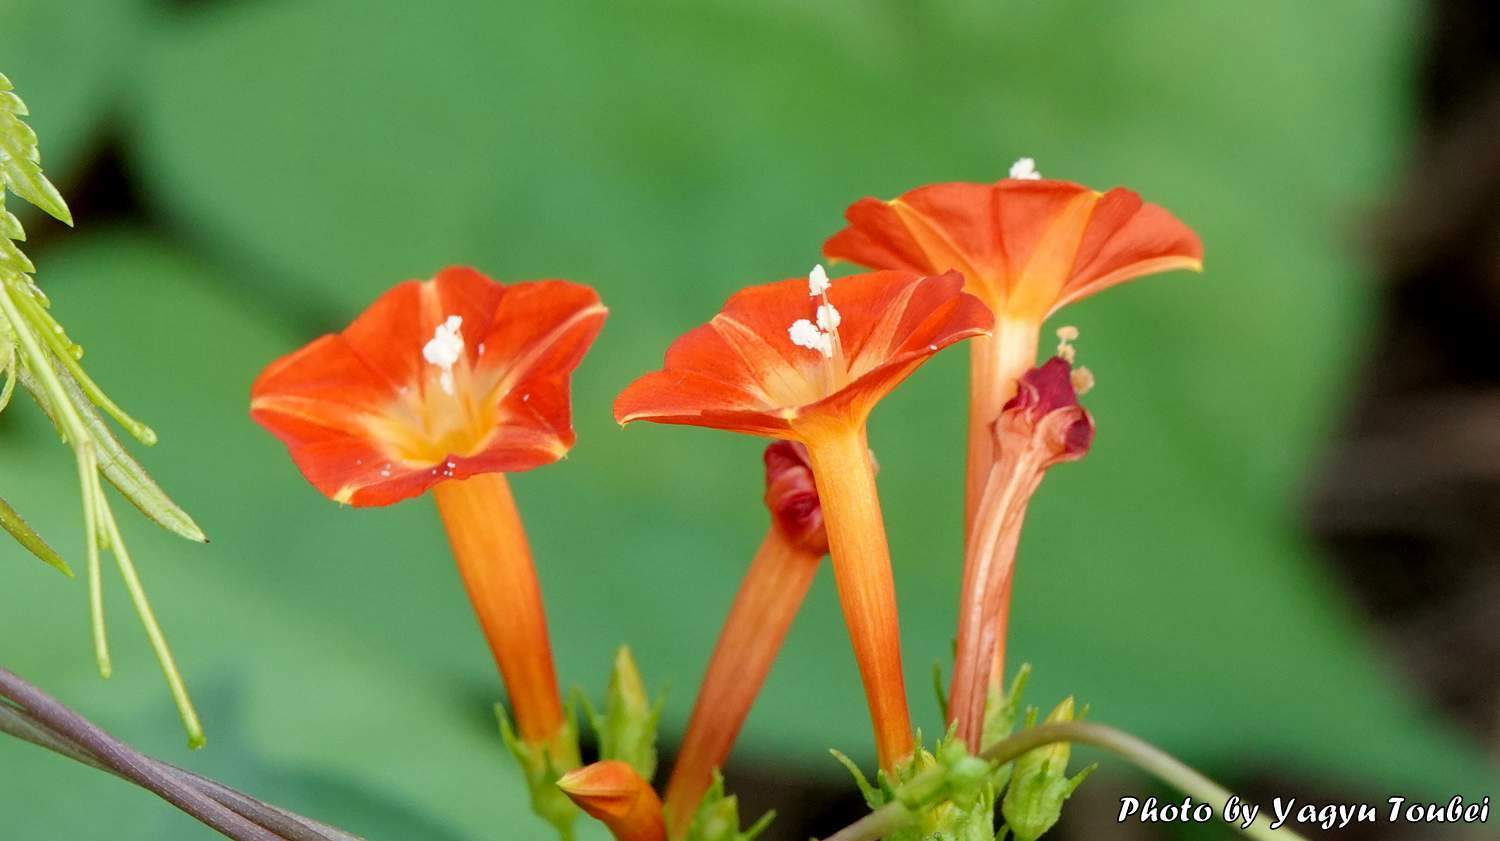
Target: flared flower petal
<point>440,379</point>
<point>743,371</point>
<point>1027,247</point>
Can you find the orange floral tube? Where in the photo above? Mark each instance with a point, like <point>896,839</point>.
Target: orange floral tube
<point>769,599</point>
<point>867,590</point>
<point>489,543</point>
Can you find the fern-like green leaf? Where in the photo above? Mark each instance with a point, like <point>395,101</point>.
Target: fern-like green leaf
<point>11,521</point>
<point>21,160</point>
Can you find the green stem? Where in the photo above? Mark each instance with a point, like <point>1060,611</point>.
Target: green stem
<point>894,816</point>
<point>63,349</point>
<point>154,633</point>
<point>10,373</point>
<point>88,479</point>
<point>66,416</point>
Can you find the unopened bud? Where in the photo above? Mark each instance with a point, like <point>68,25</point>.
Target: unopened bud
<point>792,496</point>
<point>627,730</point>
<point>615,795</point>
<point>1040,784</point>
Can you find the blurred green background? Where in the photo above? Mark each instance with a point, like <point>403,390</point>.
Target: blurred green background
<point>248,175</point>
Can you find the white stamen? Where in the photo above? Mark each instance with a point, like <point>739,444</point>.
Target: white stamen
<point>804,333</point>
<point>1065,337</point>
<point>1025,170</point>
<point>1082,379</point>
<point>828,317</point>
<point>817,281</point>
<point>444,349</point>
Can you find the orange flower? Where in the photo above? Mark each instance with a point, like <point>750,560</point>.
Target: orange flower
<point>763,610</point>
<point>807,360</point>
<point>448,384</point>
<point>1027,247</point>
<point>615,795</point>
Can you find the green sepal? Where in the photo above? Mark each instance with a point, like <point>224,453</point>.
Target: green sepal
<point>950,793</point>
<point>874,796</point>
<point>718,817</point>
<point>1001,711</point>
<point>627,729</point>
<point>1034,800</point>
<point>542,765</point>
<point>32,542</point>
<point>940,689</point>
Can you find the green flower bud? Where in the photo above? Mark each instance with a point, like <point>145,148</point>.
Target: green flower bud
<point>627,729</point>
<point>1040,785</point>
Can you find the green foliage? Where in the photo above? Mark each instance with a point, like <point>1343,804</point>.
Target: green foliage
<point>21,164</point>
<point>32,542</point>
<point>40,356</point>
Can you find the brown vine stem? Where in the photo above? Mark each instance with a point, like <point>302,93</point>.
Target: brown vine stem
<point>1148,757</point>
<point>34,716</point>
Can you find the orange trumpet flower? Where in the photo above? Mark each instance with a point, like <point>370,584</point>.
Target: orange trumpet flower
<point>449,384</point>
<point>762,366</point>
<point>1027,247</point>
<point>763,610</point>
<point>615,795</point>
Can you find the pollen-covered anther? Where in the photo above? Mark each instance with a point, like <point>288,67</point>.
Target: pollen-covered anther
<point>828,317</point>
<point>1066,335</point>
<point>444,349</point>
<point>804,333</point>
<point>1083,380</point>
<point>817,281</point>
<point>1024,169</point>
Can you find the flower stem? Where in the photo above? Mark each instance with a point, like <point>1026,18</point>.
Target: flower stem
<point>1143,755</point>
<point>489,543</point>
<point>767,602</point>
<point>840,458</point>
